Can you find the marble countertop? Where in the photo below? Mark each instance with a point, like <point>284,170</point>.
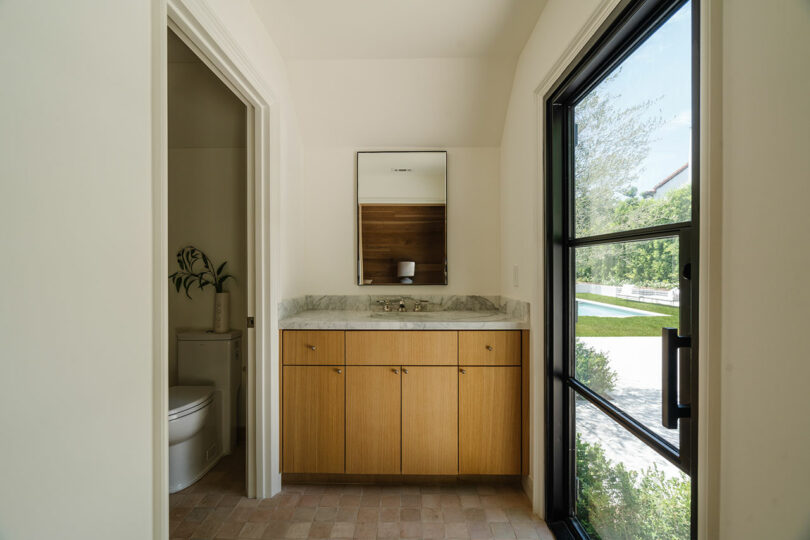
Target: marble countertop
<point>394,320</point>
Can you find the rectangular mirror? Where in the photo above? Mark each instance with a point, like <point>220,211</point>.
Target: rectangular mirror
<point>402,218</point>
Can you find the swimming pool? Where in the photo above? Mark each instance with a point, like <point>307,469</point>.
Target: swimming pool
<point>589,308</point>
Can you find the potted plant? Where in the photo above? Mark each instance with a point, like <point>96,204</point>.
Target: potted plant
<point>188,276</point>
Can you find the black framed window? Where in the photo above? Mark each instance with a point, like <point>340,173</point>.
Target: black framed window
<point>622,206</point>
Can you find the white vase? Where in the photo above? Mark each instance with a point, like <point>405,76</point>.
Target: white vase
<point>222,312</point>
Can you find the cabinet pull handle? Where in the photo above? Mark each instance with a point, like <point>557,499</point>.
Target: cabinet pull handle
<point>312,347</point>
<point>339,370</point>
<point>395,371</point>
<point>405,371</point>
<point>490,348</point>
<point>463,371</point>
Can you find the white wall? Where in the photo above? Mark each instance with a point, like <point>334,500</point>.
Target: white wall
<point>327,236</point>
<point>207,190</point>
<point>521,194</point>
<point>76,237</point>
<point>765,428</point>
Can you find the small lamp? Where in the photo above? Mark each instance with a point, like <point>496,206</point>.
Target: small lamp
<point>405,271</point>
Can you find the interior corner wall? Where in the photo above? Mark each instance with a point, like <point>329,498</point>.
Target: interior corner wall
<point>76,234</point>
<point>207,191</point>
<point>327,233</point>
<point>522,212</point>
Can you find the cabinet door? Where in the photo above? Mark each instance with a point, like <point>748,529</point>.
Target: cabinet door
<point>489,348</point>
<point>399,348</point>
<point>429,420</point>
<point>313,419</point>
<point>373,419</point>
<point>489,420</point>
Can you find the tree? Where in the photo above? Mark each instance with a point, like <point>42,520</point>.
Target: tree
<point>611,144</point>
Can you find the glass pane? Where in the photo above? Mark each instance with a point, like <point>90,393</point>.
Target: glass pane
<point>633,133</point>
<point>625,293</point>
<point>624,488</point>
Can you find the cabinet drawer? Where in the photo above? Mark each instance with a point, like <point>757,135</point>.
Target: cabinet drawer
<point>401,348</point>
<point>316,347</point>
<point>489,348</point>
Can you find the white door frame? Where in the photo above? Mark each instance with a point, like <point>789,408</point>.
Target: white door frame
<point>202,31</point>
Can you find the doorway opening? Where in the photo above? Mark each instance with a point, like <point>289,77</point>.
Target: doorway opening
<point>208,260</point>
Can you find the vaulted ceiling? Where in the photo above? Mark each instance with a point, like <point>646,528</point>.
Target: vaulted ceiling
<point>370,73</point>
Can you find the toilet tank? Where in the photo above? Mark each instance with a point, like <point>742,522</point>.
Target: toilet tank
<point>207,358</point>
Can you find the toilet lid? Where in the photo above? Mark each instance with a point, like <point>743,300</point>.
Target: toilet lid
<point>183,398</point>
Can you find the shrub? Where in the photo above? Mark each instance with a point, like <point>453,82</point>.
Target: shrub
<point>593,369</point>
<point>621,503</point>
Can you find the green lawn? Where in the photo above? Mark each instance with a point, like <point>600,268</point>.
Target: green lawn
<point>629,326</point>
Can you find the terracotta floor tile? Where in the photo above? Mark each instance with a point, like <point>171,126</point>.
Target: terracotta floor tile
<point>365,530</point>
<point>431,515</point>
<point>456,530</point>
<point>276,529</point>
<point>410,529</point>
<point>388,530</point>
<point>299,529</point>
<point>410,514</point>
<point>348,513</point>
<point>433,530</point>
<point>368,515</point>
<point>330,499</point>
<point>309,500</point>
<point>349,500</point>
<point>502,530</point>
<point>252,530</point>
<point>229,529</point>
<point>410,500</point>
<point>391,501</point>
<point>342,529</point>
<point>197,514</point>
<point>495,514</point>
<point>321,529</point>
<point>389,514</point>
<point>303,513</point>
<point>326,514</point>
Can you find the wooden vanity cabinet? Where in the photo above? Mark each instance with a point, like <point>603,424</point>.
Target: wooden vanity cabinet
<point>313,419</point>
<point>403,402</point>
<point>373,398</point>
<point>489,420</point>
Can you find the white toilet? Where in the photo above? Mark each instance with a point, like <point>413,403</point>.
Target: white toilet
<point>202,409</point>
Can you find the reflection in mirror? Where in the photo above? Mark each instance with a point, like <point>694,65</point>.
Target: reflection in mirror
<point>402,218</point>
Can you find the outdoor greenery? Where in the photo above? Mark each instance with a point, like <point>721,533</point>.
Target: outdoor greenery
<point>188,276</point>
<point>611,146</point>
<point>593,369</point>
<point>626,326</point>
<point>614,502</point>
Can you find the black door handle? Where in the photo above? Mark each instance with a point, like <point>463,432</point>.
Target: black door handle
<point>671,410</point>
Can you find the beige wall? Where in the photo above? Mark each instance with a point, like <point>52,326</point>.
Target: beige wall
<point>207,188</point>
<point>327,228</point>
<point>76,237</point>
<point>765,427</point>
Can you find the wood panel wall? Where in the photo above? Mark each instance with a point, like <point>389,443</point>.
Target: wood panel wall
<point>390,233</point>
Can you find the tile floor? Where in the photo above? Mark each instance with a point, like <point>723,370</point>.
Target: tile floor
<point>215,507</point>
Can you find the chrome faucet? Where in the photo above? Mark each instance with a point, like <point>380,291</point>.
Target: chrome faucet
<point>418,305</point>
